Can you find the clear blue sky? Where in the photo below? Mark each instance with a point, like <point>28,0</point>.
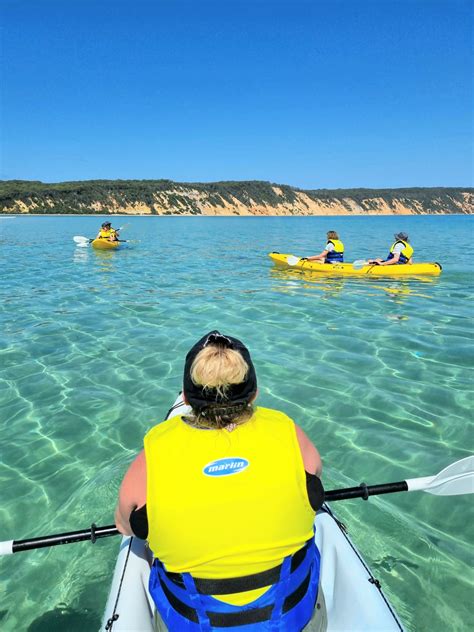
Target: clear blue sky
<point>315,93</point>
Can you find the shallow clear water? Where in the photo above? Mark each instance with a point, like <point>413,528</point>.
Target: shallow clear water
<point>378,372</point>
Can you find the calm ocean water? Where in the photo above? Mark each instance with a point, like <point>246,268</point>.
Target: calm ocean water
<point>92,344</point>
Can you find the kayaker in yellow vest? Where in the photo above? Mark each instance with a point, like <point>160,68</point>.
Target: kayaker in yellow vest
<point>107,232</point>
<point>226,497</point>
<point>401,252</point>
<point>333,251</point>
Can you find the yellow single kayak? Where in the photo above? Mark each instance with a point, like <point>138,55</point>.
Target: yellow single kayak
<point>347,269</point>
<point>105,244</point>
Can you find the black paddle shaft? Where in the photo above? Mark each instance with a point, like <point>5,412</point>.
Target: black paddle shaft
<point>92,534</point>
<point>364,491</point>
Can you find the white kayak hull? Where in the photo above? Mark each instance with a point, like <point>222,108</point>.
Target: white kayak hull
<point>354,599</point>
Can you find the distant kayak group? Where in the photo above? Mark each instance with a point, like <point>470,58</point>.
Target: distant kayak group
<point>401,251</point>
<point>330,261</point>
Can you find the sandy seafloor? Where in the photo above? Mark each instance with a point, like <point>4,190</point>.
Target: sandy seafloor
<point>378,372</point>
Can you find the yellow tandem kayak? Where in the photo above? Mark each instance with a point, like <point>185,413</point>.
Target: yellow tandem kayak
<point>347,269</point>
<point>105,244</point>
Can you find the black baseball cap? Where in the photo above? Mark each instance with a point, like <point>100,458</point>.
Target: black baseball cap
<point>199,397</point>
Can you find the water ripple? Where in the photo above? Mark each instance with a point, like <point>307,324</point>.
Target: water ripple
<point>92,345</point>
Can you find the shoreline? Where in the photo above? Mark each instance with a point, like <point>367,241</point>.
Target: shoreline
<point>167,215</point>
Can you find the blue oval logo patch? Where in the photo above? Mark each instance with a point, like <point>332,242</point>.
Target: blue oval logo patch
<point>225,467</point>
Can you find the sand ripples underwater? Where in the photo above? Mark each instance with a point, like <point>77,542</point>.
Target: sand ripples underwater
<point>92,344</point>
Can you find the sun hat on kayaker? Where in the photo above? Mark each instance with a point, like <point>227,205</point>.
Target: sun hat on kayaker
<point>105,224</point>
<point>224,374</point>
<point>401,236</point>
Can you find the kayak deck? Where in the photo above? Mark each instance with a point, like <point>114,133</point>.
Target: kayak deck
<point>130,606</point>
<point>346,269</point>
<point>354,599</point>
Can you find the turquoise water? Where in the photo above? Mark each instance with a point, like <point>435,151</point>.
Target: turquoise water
<point>378,372</point>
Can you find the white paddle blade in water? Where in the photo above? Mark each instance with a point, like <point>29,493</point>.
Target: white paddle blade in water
<point>360,263</point>
<point>292,260</point>
<point>454,480</point>
<point>81,241</point>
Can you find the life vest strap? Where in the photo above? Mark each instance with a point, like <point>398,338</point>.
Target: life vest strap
<point>401,260</point>
<point>334,256</point>
<point>243,617</point>
<point>229,586</point>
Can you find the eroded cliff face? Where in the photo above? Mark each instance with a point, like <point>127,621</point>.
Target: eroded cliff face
<point>251,199</point>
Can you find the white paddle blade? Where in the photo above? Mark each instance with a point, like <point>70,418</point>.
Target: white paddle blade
<point>457,478</point>
<point>454,480</point>
<point>360,263</point>
<point>81,240</point>
<point>292,260</point>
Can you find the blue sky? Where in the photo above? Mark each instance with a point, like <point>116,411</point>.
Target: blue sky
<point>312,93</point>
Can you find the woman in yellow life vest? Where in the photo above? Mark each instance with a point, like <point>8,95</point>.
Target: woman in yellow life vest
<point>226,497</point>
<point>401,252</point>
<point>333,251</point>
<point>107,232</point>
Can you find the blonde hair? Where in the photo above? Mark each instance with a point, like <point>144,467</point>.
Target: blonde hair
<point>331,234</point>
<point>216,367</point>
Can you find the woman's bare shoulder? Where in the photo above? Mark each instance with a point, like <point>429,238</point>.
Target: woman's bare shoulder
<point>311,458</point>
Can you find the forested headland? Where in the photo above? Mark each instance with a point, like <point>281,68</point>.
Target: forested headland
<point>165,197</point>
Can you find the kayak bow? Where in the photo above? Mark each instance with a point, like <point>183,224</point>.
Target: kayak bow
<point>105,244</point>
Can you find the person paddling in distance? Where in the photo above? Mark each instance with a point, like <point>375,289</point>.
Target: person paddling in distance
<point>333,251</point>
<point>401,252</point>
<point>107,232</point>
<point>226,497</point>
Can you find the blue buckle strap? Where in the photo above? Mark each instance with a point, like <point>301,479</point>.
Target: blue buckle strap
<point>244,617</point>
<point>401,260</point>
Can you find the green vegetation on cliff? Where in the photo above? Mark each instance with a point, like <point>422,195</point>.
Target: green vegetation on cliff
<point>432,200</point>
<point>168,197</point>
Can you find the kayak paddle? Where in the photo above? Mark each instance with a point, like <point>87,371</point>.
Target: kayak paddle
<point>360,263</point>
<point>456,479</point>
<point>92,534</point>
<point>82,241</point>
<point>292,260</point>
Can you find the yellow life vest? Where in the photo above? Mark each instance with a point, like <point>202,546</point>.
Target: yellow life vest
<point>406,253</point>
<point>106,234</point>
<point>336,255</point>
<point>226,504</point>
<point>338,245</point>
